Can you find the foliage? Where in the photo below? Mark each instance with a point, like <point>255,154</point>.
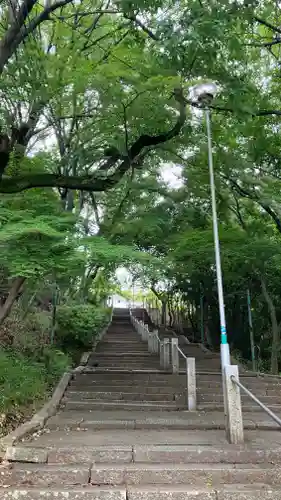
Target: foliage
<point>56,363</point>
<point>103,162</point>
<point>22,381</point>
<point>77,325</point>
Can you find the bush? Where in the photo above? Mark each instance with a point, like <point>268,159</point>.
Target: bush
<point>78,325</point>
<point>27,335</point>
<point>55,362</point>
<point>25,382</point>
<point>21,382</point>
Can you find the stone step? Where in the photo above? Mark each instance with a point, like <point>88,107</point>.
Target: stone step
<point>276,408</point>
<point>46,475</point>
<point>125,363</point>
<point>125,355</point>
<point>112,379</point>
<point>123,371</point>
<point>212,475</point>
<point>131,338</point>
<point>180,454</point>
<point>125,388</point>
<point>118,348</point>
<point>205,398</point>
<point>130,367</point>
<point>88,493</point>
<point>148,388</point>
<point>136,339</point>
<point>128,396</point>
<point>89,454</point>
<point>191,474</point>
<point>165,419</point>
<point>156,394</point>
<point>123,347</point>
<point>121,405</point>
<point>187,492</point>
<point>126,375</point>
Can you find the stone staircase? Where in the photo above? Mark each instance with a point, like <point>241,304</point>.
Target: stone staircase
<point>123,433</point>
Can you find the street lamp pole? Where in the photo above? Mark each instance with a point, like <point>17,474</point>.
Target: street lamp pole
<point>205,93</point>
<point>225,353</point>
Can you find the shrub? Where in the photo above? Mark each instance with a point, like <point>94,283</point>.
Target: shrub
<point>21,382</point>
<point>78,325</point>
<point>24,382</point>
<point>55,362</point>
<point>28,334</point>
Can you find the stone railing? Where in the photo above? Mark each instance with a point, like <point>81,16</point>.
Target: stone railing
<point>169,352</point>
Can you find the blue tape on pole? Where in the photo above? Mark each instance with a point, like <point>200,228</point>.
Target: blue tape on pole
<point>223,335</point>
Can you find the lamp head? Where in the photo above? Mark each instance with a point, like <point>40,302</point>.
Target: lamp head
<point>205,92</point>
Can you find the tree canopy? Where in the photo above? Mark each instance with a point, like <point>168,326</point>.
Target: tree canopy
<point>104,161</point>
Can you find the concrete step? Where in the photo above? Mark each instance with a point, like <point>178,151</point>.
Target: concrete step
<point>118,348</point>
<point>145,386</point>
<point>187,492</point>
<point>157,376</point>
<point>58,493</point>
<point>176,454</point>
<point>205,398</point>
<point>192,474</point>
<point>132,363</point>
<point>134,339</point>
<point>166,419</point>
<point>113,395</point>
<point>125,388</point>
<point>125,355</point>
<point>153,393</point>
<point>253,408</point>
<point>131,338</point>
<point>129,367</point>
<point>46,475</point>
<point>122,405</point>
<point>89,454</point>
<point>213,475</point>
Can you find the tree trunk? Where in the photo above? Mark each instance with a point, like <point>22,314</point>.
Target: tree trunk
<point>207,332</point>
<point>275,329</point>
<point>13,294</point>
<point>170,312</point>
<point>163,312</point>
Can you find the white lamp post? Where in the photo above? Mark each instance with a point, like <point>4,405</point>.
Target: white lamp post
<point>204,94</point>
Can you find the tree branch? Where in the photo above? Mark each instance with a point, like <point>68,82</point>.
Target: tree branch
<point>146,30</point>
<point>265,44</point>
<point>247,194</point>
<point>261,112</point>
<point>267,24</point>
<point>96,182</point>
<point>17,32</point>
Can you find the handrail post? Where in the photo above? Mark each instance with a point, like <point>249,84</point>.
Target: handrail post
<point>161,353</point>
<point>175,355</point>
<point>137,326</point>
<point>143,332</point>
<point>155,341</point>
<point>234,418</point>
<point>146,332</point>
<point>166,355</point>
<point>191,384</point>
<point>150,342</point>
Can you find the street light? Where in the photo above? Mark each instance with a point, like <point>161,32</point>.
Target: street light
<point>204,94</point>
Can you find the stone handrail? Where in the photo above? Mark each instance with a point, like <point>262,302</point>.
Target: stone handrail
<point>256,400</point>
<point>169,352</point>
